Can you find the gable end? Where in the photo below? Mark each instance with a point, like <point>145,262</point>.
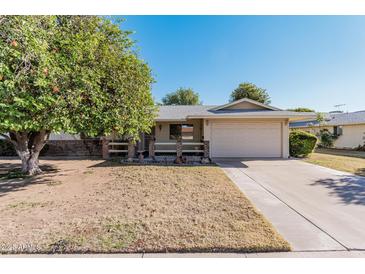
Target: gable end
<point>244,104</point>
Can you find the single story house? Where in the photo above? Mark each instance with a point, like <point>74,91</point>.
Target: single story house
<point>243,128</point>
<point>348,127</point>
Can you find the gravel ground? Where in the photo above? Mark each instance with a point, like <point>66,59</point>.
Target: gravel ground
<point>92,206</point>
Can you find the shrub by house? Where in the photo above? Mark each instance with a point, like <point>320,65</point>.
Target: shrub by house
<point>301,143</point>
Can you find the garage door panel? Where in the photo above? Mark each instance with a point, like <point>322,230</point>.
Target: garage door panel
<point>246,140</point>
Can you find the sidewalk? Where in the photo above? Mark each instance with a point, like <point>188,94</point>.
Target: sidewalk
<point>308,254</point>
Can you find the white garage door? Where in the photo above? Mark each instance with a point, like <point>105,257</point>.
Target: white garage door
<point>246,139</point>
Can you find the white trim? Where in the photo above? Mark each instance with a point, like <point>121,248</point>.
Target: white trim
<point>244,100</point>
<point>117,144</point>
<point>325,125</point>
<point>192,144</point>
<point>117,150</point>
<point>170,120</point>
<point>165,144</point>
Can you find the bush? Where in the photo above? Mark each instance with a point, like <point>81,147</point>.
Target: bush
<point>7,148</point>
<point>301,143</point>
<point>326,138</point>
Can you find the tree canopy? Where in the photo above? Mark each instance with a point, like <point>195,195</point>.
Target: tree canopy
<point>182,96</point>
<point>72,74</point>
<point>301,109</point>
<point>251,91</point>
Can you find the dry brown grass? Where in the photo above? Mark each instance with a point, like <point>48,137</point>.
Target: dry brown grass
<point>349,161</point>
<point>100,208</point>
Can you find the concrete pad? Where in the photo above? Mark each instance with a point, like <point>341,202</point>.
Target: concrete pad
<point>333,201</point>
<point>299,232</point>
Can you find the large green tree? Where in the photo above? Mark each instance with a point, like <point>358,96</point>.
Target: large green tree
<point>301,109</point>
<point>69,73</point>
<point>182,96</point>
<point>250,91</point>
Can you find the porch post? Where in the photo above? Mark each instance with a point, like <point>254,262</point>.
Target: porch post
<point>206,158</point>
<point>131,150</point>
<point>105,148</point>
<point>179,147</point>
<point>151,148</point>
<point>178,150</point>
<point>140,148</point>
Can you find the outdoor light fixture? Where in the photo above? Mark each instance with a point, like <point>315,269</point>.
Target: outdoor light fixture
<point>160,126</point>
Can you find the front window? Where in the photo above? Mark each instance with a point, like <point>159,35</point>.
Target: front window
<point>337,130</point>
<point>175,131</point>
<point>185,131</point>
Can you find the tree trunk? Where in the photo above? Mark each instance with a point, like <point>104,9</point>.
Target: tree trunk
<point>28,145</point>
<point>33,164</point>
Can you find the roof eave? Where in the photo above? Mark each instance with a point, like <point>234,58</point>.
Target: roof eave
<point>329,125</point>
<point>290,117</point>
<point>169,120</point>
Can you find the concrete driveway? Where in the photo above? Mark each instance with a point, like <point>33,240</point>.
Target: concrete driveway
<point>313,207</point>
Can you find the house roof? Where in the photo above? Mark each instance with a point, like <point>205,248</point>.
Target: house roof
<point>334,119</point>
<point>220,107</point>
<point>183,113</point>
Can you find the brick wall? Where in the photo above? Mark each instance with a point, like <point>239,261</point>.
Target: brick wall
<point>87,147</point>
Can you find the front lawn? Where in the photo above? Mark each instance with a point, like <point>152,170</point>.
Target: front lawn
<point>90,206</point>
<point>343,160</point>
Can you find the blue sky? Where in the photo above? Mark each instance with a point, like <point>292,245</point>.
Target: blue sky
<point>311,61</point>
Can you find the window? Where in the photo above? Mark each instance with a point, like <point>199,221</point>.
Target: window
<point>185,131</point>
<point>175,131</point>
<point>337,130</point>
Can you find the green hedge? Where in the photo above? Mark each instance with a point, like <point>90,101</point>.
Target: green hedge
<point>301,143</point>
<point>7,148</point>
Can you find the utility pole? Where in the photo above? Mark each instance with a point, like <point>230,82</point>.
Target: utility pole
<point>338,107</point>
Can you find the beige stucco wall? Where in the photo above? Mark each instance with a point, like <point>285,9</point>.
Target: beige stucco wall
<point>207,124</point>
<point>163,135</point>
<point>352,135</point>
<point>285,138</point>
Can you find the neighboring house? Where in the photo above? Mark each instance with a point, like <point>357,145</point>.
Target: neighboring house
<point>348,127</point>
<point>243,128</point>
<point>63,136</point>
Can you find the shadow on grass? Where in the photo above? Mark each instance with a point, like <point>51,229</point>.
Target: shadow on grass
<point>350,189</point>
<point>11,178</point>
